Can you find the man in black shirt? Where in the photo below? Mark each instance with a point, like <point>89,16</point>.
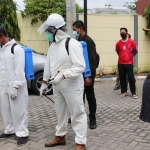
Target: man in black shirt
<point>80,35</point>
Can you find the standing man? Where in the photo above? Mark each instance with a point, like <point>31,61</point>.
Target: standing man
<point>68,85</point>
<point>117,86</point>
<point>80,35</point>
<point>13,90</point>
<point>126,49</point>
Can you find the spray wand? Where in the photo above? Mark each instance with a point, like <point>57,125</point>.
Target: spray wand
<point>44,92</point>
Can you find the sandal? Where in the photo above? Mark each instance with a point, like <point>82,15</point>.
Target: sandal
<point>123,95</point>
<point>134,96</point>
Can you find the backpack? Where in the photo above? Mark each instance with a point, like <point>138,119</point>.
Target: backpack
<point>29,73</point>
<point>97,55</point>
<point>87,71</point>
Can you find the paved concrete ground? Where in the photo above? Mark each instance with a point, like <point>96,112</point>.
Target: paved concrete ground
<point>119,127</point>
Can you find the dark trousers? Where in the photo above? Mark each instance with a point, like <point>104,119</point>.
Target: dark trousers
<point>123,70</point>
<point>90,96</point>
<point>118,80</point>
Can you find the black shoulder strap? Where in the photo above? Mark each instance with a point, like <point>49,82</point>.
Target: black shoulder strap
<point>67,44</point>
<point>12,48</point>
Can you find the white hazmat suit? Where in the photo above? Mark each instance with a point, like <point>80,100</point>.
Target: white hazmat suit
<point>68,94</point>
<point>14,112</point>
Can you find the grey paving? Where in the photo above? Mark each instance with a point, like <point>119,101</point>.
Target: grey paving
<point>119,127</point>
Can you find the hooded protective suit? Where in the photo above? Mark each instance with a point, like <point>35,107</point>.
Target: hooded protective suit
<point>14,112</point>
<point>68,94</point>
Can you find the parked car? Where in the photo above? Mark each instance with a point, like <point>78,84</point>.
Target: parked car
<point>38,64</point>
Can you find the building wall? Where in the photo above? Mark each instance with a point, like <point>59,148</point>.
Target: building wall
<point>143,44</point>
<point>30,36</point>
<point>141,5</point>
<point>104,30</point>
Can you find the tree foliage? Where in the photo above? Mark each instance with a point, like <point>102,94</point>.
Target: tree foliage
<point>131,6</point>
<point>40,9</point>
<point>79,9</point>
<point>8,18</point>
<point>147,16</point>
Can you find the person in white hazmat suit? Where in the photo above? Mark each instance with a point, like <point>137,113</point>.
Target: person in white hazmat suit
<point>67,79</point>
<point>13,90</point>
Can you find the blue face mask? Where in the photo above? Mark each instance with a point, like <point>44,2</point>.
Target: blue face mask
<point>76,35</point>
<point>49,36</point>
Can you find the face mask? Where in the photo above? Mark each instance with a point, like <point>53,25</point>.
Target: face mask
<point>76,35</point>
<point>123,35</point>
<point>49,36</point>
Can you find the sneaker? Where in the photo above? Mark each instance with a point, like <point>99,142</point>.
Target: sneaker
<point>93,124</point>
<point>58,140</point>
<point>2,136</point>
<point>22,141</point>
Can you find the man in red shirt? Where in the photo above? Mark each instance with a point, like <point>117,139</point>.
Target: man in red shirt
<point>126,49</point>
<point>117,86</point>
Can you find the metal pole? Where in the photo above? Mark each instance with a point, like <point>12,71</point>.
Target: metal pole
<point>77,17</point>
<point>85,15</point>
<point>136,38</point>
<point>70,15</point>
